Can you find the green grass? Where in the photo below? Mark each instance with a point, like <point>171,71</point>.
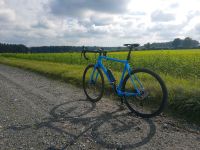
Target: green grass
<point>69,73</point>
<point>179,69</point>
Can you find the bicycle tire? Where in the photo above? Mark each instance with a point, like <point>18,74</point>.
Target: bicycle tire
<point>160,83</point>
<point>87,91</point>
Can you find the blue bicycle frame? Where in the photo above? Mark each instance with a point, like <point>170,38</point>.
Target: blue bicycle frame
<point>118,87</point>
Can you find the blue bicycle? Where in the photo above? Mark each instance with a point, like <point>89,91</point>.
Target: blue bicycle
<point>142,90</point>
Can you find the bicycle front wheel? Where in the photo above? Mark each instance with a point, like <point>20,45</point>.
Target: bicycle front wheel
<point>93,83</point>
<point>152,93</point>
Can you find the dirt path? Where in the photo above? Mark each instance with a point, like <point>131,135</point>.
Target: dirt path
<point>40,113</point>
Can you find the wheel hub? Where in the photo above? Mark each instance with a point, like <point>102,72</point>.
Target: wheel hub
<point>143,95</point>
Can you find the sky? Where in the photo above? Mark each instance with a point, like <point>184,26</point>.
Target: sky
<point>97,22</point>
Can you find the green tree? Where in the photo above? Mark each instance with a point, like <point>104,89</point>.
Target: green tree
<point>189,43</point>
<point>177,43</point>
<point>147,46</point>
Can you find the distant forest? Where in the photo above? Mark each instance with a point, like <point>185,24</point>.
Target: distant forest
<point>187,43</point>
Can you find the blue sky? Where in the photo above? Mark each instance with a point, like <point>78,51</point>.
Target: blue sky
<point>97,22</point>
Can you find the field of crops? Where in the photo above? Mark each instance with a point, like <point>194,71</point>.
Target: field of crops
<point>180,69</point>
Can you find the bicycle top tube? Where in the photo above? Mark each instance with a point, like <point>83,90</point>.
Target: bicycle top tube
<point>112,59</point>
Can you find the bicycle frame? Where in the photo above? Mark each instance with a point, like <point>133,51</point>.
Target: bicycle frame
<point>118,87</point>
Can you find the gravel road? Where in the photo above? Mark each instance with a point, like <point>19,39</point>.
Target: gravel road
<point>40,113</point>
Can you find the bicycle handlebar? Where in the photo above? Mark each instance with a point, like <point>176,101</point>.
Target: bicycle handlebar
<point>85,50</point>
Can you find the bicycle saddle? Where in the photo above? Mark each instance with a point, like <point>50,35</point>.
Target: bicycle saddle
<point>132,45</point>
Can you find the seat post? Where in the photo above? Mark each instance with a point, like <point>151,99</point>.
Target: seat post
<point>129,53</point>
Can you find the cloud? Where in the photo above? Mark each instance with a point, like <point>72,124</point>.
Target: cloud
<point>77,8</point>
<point>137,13</point>
<point>40,25</point>
<point>197,28</point>
<point>165,32</point>
<point>6,14</point>
<point>192,14</point>
<point>44,24</point>
<point>174,5</point>
<point>160,16</point>
<point>101,20</point>
<point>1,3</point>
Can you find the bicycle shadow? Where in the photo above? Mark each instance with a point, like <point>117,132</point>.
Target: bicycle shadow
<point>80,121</point>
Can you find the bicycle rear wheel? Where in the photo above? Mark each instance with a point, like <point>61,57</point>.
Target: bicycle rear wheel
<point>152,96</point>
<point>93,83</point>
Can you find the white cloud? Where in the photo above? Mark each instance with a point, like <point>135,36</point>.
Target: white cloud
<point>6,14</point>
<point>101,20</point>
<point>160,16</point>
<point>174,5</point>
<point>44,23</point>
<point>79,8</point>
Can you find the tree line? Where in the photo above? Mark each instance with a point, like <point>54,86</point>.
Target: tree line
<point>13,48</point>
<point>187,43</point>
